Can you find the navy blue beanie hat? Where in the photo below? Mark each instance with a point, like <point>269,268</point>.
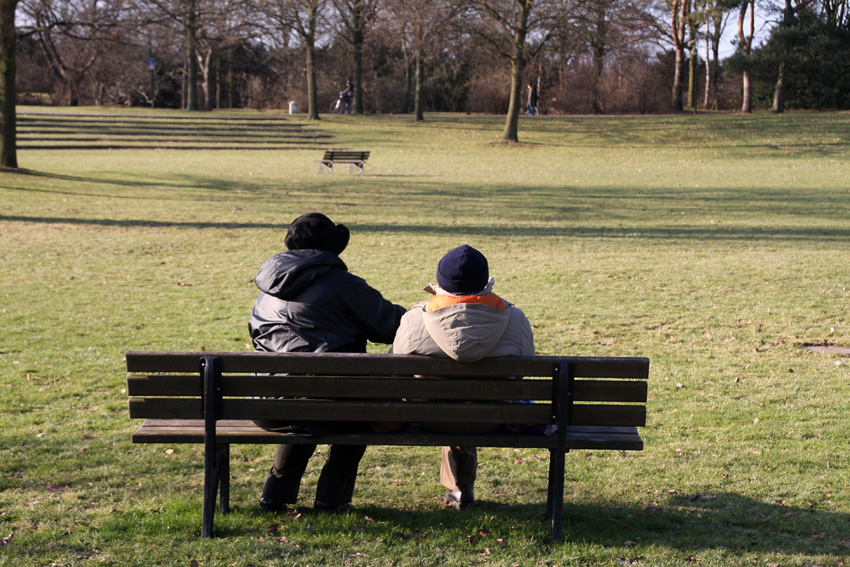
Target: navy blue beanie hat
<point>463,270</point>
<point>315,231</point>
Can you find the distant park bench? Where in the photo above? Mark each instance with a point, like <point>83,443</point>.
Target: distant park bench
<point>211,398</point>
<point>355,159</point>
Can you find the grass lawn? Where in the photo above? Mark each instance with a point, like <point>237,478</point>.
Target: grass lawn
<point>716,245</point>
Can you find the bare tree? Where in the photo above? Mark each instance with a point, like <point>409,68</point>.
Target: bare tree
<point>609,28</point>
<point>681,10</point>
<point>507,26</point>
<point>73,35</point>
<point>304,19</point>
<point>8,136</point>
<point>716,15</point>
<point>420,24</point>
<point>746,33</point>
<point>355,17</point>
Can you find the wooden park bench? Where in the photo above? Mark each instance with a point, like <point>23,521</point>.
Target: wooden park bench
<point>353,158</point>
<point>211,398</point>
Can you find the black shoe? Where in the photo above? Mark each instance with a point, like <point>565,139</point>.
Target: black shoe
<point>271,507</point>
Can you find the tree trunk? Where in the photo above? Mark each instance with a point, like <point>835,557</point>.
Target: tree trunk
<point>312,85</point>
<point>677,80</point>
<point>747,94</point>
<point>779,92</point>
<point>357,43</point>
<point>511,133</point>
<point>745,40</point>
<point>191,60</point>
<point>692,78</point>
<point>708,39</point>
<point>518,60</point>
<point>681,10</point>
<point>417,88</point>
<point>600,42</point>
<point>8,141</point>
<point>207,76</point>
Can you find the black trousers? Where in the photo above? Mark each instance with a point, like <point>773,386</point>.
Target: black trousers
<point>336,481</point>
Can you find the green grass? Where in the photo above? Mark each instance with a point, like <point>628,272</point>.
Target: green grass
<point>716,245</point>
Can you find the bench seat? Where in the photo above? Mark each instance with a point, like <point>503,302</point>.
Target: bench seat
<point>355,159</point>
<point>245,431</point>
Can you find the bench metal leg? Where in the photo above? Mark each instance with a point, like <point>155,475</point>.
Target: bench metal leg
<point>223,479</point>
<point>555,497</point>
<point>216,480</point>
<point>563,377</point>
<point>216,456</point>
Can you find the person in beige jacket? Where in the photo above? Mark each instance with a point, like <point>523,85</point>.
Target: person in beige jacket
<point>466,321</point>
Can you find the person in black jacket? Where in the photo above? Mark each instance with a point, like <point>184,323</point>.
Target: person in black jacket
<point>310,302</point>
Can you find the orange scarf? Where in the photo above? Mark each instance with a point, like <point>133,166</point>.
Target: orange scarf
<point>437,302</point>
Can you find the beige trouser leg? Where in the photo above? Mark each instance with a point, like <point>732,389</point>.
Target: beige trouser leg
<point>458,467</point>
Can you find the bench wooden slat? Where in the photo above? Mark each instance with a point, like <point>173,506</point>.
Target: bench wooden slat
<point>458,389</point>
<point>244,431</point>
<point>608,415</point>
<point>341,364</point>
<point>345,387</point>
<point>481,412</point>
<point>339,155</point>
<point>609,391</point>
<point>295,410</point>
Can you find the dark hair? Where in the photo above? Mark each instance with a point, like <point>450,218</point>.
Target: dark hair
<point>315,231</point>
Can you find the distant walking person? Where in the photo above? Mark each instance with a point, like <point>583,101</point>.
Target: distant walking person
<point>347,96</point>
<point>532,108</point>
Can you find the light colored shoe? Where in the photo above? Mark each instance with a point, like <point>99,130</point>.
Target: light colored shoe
<point>458,500</point>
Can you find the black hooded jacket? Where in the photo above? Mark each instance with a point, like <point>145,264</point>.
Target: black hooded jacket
<point>310,302</point>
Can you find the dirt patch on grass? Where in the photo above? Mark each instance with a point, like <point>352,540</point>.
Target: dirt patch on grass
<point>829,349</point>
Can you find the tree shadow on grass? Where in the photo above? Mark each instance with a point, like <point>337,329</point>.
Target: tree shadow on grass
<point>667,234</point>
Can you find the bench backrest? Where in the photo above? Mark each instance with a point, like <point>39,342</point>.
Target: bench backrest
<point>378,387</point>
<point>345,155</point>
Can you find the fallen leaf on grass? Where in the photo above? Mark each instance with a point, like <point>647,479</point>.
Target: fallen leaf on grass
<point>53,489</point>
<point>5,540</point>
<point>273,528</point>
